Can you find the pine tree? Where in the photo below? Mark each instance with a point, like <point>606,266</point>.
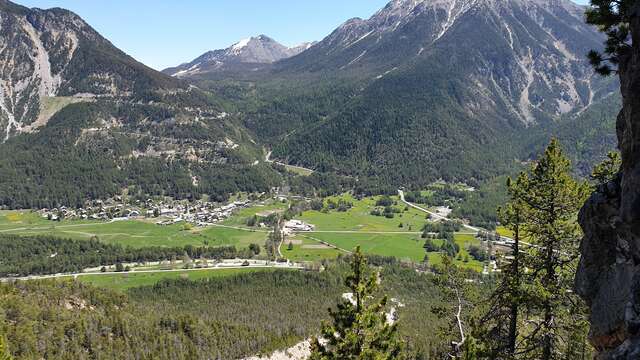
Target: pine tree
<point>533,312</point>
<point>499,326</point>
<point>360,329</point>
<point>612,17</point>
<point>608,169</point>
<point>552,198</point>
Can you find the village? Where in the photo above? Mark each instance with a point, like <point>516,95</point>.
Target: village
<point>168,212</point>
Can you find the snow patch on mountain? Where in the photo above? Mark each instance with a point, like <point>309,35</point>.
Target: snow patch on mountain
<point>259,50</point>
<point>241,44</point>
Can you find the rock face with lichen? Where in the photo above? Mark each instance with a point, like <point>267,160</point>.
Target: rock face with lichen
<point>609,274</point>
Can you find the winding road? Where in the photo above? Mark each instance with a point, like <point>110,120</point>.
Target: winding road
<point>267,158</point>
<point>506,241</point>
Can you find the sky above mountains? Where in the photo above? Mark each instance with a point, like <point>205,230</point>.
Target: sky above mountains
<point>164,33</point>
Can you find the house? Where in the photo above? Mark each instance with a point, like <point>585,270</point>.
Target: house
<point>297,226</point>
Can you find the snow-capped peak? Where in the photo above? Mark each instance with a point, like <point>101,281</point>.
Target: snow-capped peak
<point>259,49</point>
<point>241,44</point>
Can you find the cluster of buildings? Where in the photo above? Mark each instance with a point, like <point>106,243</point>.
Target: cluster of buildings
<point>96,210</point>
<point>294,226</point>
<point>200,213</point>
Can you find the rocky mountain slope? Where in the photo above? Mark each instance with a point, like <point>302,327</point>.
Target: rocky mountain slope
<point>81,119</point>
<point>609,274</point>
<point>249,54</point>
<point>53,53</point>
<point>526,54</point>
<point>433,81</point>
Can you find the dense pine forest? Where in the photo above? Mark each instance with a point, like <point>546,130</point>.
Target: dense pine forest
<point>173,319</point>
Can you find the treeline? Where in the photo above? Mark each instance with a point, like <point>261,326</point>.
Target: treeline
<point>39,255</point>
<point>218,318</point>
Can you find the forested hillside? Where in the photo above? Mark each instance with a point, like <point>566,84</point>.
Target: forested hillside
<point>412,94</point>
<point>173,319</point>
<point>83,120</point>
<point>94,150</point>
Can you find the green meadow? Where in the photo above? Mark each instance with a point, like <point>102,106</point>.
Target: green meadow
<point>359,217</point>
<point>124,281</point>
<point>306,249</point>
<point>135,233</point>
<point>398,237</point>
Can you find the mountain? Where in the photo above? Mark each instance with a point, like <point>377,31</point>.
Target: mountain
<point>54,53</point>
<point>432,88</point>
<point>81,119</point>
<point>247,54</point>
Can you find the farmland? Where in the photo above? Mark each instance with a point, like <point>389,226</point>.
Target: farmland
<point>398,235</point>
<point>134,233</point>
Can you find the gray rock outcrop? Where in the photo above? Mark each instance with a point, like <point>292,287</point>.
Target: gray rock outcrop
<point>608,277</point>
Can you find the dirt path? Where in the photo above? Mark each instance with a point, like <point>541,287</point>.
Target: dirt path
<point>326,243</point>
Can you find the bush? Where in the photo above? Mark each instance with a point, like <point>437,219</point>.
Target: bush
<point>384,201</point>
<point>316,204</point>
<point>477,253</point>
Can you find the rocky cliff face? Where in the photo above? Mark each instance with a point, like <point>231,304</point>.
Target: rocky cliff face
<point>530,56</point>
<point>609,274</point>
<point>46,54</point>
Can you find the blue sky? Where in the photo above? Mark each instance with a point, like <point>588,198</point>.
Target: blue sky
<point>163,33</point>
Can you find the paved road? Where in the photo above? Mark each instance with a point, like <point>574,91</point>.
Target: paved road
<point>360,232</point>
<point>433,214</point>
<point>217,267</point>
<point>506,241</point>
<point>267,158</point>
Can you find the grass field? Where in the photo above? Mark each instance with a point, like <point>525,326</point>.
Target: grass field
<point>305,249</point>
<point>402,246</point>
<point>124,281</point>
<point>346,230</point>
<point>359,218</point>
<point>503,231</point>
<point>133,233</point>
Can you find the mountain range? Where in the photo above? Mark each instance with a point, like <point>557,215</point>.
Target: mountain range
<point>422,90</point>
<point>425,84</point>
<point>248,54</point>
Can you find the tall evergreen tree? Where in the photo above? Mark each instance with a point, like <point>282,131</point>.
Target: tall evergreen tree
<point>498,331</point>
<point>608,169</point>
<point>533,313</point>
<point>360,329</point>
<point>612,17</point>
<point>552,198</point>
